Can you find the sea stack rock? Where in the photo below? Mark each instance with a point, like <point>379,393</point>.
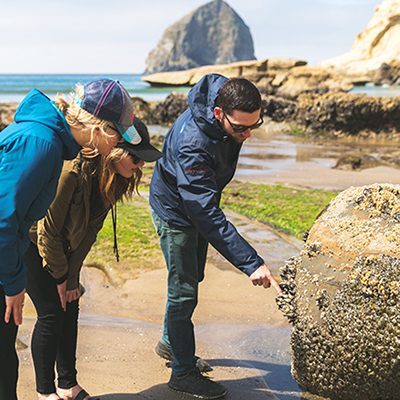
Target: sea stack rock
<point>342,297</point>
<point>379,43</point>
<point>212,34</point>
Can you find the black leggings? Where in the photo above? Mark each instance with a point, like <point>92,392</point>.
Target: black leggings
<point>54,337</point>
<point>8,354</point>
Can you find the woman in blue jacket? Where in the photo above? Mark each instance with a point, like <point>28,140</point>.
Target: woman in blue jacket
<point>89,187</point>
<point>32,151</point>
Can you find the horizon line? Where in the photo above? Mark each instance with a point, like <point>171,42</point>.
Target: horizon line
<point>71,73</point>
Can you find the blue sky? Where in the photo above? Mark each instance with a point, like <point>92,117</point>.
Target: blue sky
<point>115,36</point>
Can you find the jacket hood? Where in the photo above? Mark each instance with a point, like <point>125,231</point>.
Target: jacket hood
<point>202,98</point>
<point>37,107</point>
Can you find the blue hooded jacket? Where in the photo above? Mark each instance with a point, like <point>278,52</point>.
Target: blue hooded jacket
<point>199,160</point>
<point>32,150</point>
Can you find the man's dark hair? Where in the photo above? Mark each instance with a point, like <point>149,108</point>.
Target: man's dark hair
<point>238,94</point>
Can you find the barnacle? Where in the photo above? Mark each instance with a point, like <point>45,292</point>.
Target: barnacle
<point>342,297</point>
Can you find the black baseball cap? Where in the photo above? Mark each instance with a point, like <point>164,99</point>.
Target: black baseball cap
<point>109,100</point>
<point>144,150</point>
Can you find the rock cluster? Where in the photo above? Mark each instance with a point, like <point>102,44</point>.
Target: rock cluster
<point>155,113</point>
<point>166,112</point>
<point>337,113</point>
<point>161,113</point>
<point>291,83</point>
<point>254,70</point>
<point>332,113</point>
<point>342,297</point>
<point>212,34</point>
<point>283,77</point>
<point>349,113</point>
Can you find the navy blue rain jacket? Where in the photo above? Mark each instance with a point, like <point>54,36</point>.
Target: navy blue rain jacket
<point>32,150</point>
<point>199,160</point>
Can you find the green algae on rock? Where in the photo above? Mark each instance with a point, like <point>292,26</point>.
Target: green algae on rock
<point>341,295</point>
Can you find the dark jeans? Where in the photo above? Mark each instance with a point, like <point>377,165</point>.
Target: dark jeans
<point>185,253</point>
<point>8,354</point>
<point>54,337</point>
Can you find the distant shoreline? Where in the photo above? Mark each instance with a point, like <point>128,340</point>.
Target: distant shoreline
<point>14,87</point>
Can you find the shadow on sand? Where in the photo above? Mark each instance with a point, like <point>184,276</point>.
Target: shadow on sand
<point>273,382</point>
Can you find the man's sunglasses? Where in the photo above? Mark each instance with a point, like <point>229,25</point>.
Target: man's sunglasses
<point>242,128</point>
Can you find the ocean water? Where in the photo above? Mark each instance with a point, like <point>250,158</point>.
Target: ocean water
<point>372,90</point>
<point>13,88</point>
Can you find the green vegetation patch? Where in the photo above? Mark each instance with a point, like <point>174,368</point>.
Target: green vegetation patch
<point>137,241</point>
<point>286,209</point>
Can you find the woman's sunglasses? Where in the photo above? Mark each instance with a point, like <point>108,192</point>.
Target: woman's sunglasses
<point>135,158</point>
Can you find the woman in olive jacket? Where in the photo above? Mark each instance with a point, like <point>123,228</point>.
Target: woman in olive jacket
<point>88,189</point>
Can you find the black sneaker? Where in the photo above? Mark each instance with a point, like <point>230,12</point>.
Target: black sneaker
<point>164,352</point>
<point>197,385</point>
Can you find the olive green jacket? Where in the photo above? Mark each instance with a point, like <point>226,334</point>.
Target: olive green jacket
<point>66,234</point>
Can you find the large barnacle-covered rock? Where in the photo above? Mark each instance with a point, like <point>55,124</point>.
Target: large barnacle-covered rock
<point>342,297</point>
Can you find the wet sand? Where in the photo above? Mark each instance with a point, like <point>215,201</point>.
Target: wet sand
<point>277,158</point>
<point>238,329</point>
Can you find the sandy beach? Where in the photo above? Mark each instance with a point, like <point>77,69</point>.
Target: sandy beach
<point>238,328</point>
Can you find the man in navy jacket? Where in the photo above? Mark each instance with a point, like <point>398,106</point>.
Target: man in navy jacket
<point>200,155</point>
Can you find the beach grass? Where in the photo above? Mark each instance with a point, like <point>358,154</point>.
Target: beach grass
<point>137,242</point>
<point>286,209</point>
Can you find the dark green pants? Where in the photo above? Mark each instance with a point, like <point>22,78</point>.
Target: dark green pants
<point>185,253</point>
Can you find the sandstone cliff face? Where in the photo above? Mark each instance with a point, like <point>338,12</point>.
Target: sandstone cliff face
<point>379,43</point>
<point>212,34</point>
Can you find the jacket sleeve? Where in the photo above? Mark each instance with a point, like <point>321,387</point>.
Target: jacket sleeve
<point>27,165</point>
<point>50,240</point>
<point>198,189</point>
<point>77,257</point>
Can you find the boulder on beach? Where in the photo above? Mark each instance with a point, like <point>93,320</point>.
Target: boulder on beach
<point>379,43</point>
<point>212,34</point>
<point>341,295</point>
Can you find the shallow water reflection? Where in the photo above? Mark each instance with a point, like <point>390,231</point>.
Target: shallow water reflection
<point>265,156</point>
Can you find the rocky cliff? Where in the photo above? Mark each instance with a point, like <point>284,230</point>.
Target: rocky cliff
<point>379,43</point>
<point>212,34</point>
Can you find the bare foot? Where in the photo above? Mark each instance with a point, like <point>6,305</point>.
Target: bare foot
<point>70,394</point>
<point>51,396</point>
